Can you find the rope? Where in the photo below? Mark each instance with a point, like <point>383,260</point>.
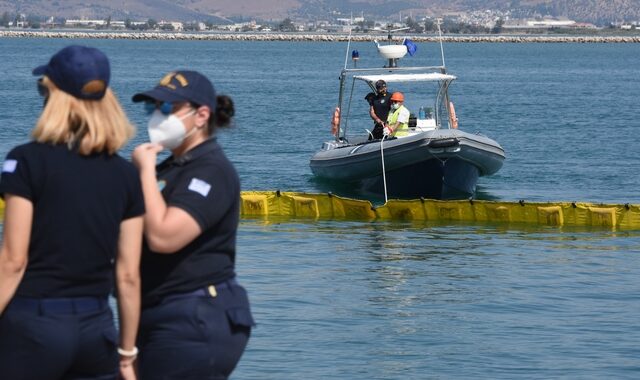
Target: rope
<point>384,174</point>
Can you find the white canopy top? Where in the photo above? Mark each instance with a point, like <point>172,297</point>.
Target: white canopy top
<point>390,78</point>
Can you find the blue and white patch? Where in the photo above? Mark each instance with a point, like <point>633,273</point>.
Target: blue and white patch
<point>161,184</point>
<point>199,186</point>
<point>9,166</point>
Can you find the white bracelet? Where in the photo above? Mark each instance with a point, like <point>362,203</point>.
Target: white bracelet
<point>130,353</point>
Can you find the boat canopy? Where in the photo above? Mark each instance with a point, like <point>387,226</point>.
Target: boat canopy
<point>421,77</point>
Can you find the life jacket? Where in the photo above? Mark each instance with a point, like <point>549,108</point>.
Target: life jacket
<point>403,128</point>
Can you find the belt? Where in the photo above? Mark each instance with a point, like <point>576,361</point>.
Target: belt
<point>71,305</point>
<point>208,291</point>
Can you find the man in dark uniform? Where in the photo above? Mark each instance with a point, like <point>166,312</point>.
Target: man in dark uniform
<point>379,106</point>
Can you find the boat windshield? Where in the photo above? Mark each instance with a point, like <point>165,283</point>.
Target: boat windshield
<point>402,78</point>
<point>425,95</point>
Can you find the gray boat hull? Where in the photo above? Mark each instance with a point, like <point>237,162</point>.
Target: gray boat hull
<point>439,164</point>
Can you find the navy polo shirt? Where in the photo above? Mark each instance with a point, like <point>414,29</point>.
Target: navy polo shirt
<point>79,203</point>
<point>381,104</point>
<point>204,183</point>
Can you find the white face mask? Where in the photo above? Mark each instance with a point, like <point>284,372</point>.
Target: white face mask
<point>395,106</point>
<point>168,130</point>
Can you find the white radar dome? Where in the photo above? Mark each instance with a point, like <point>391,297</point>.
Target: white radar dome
<point>392,51</point>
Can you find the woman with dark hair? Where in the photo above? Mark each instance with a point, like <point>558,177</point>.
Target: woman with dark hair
<point>196,319</point>
<point>73,219</point>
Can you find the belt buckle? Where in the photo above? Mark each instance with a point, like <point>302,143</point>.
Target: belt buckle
<point>212,291</point>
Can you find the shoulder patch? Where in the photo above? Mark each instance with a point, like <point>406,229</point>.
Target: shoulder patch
<point>199,186</point>
<point>9,166</point>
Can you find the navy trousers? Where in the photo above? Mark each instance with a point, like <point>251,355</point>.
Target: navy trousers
<point>58,338</point>
<point>195,336</point>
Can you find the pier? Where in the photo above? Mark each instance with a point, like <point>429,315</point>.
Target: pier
<point>312,37</point>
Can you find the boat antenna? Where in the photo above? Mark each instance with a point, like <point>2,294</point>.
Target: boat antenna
<point>438,22</point>
<point>346,56</point>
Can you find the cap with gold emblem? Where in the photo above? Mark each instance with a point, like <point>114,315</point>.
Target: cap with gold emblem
<point>181,86</point>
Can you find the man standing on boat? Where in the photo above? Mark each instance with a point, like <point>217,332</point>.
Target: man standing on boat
<point>379,106</point>
<point>398,119</point>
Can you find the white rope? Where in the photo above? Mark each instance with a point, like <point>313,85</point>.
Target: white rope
<point>384,174</point>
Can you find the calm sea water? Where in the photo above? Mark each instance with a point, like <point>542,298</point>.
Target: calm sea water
<point>392,300</point>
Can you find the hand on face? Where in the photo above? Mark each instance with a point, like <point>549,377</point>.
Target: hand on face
<point>145,155</point>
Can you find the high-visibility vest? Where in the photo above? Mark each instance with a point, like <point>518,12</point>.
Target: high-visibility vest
<point>403,128</point>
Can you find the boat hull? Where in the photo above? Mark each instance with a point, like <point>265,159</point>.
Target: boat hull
<point>441,164</point>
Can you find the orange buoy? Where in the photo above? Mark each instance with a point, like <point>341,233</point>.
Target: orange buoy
<point>335,122</point>
<point>452,116</point>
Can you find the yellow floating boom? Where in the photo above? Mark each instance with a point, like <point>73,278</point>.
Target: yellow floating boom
<point>328,206</point>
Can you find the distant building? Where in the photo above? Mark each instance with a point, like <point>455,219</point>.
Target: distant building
<point>584,25</point>
<point>551,23</point>
<point>84,23</point>
<point>171,25</point>
<point>117,24</point>
<point>538,24</point>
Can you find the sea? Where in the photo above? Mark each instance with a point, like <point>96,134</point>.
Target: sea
<point>414,300</point>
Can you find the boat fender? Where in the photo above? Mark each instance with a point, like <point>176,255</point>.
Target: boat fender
<point>452,115</point>
<point>335,122</point>
<point>443,143</point>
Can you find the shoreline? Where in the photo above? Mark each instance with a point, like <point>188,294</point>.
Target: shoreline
<point>310,37</point>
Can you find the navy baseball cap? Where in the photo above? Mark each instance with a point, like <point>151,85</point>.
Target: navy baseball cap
<point>181,86</point>
<point>80,71</point>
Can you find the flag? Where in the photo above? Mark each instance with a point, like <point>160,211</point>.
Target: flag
<point>411,47</point>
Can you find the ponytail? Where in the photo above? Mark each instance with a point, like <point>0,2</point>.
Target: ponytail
<point>223,114</point>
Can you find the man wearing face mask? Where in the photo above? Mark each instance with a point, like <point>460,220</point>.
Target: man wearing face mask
<point>196,320</point>
<point>398,121</point>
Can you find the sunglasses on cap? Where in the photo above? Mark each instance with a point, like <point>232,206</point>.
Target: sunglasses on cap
<point>164,107</point>
<point>42,89</point>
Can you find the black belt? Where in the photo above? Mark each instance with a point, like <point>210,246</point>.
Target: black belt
<point>208,291</point>
<point>71,305</point>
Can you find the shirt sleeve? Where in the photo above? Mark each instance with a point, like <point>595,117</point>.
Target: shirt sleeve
<point>135,205</point>
<point>404,115</point>
<point>369,98</point>
<point>207,196</point>
<point>16,175</point>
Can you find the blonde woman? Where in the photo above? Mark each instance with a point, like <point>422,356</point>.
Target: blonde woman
<point>73,217</point>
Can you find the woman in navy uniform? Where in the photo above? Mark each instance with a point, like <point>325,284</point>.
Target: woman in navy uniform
<point>196,320</point>
<point>73,217</point>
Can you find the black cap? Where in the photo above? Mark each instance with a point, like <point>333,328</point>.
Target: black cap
<point>80,71</point>
<point>380,83</point>
<point>181,86</point>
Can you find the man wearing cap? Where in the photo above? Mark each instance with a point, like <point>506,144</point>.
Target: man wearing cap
<point>379,105</point>
<point>196,320</point>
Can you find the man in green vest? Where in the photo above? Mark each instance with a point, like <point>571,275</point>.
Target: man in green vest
<point>398,120</point>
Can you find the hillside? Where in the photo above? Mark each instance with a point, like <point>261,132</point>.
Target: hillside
<point>597,11</point>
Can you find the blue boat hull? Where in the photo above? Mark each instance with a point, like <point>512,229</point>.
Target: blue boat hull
<point>443,164</point>
<point>433,179</point>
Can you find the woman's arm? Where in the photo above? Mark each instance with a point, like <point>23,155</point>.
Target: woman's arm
<point>167,229</point>
<point>15,245</point>
<point>128,282</point>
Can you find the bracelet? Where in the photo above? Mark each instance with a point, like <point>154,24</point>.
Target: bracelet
<point>131,353</point>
